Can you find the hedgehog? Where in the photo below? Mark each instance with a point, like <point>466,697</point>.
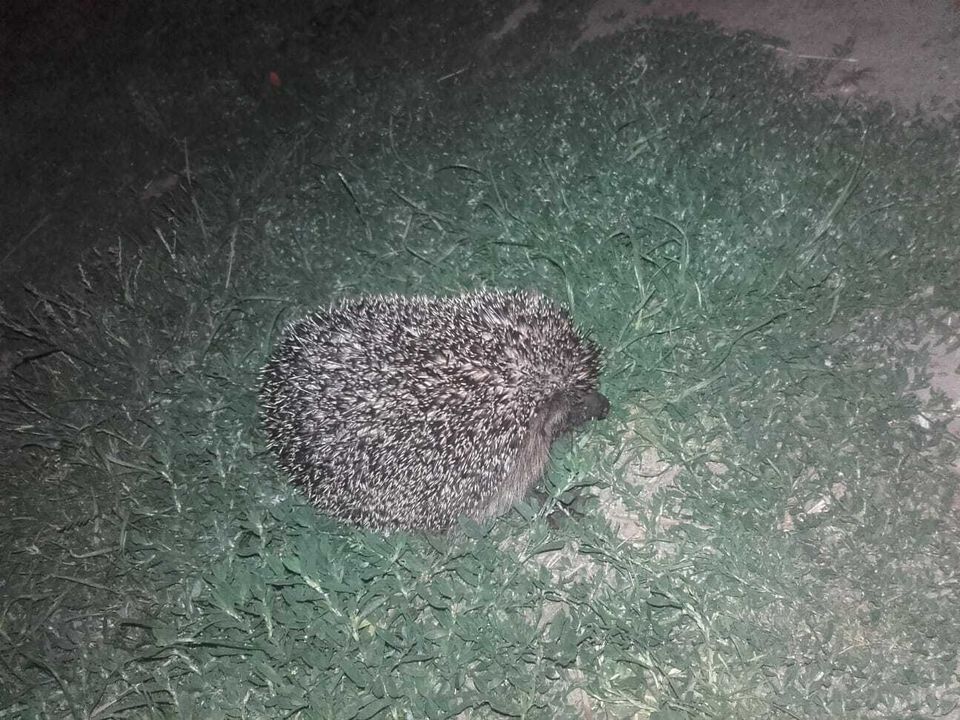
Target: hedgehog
<point>411,412</point>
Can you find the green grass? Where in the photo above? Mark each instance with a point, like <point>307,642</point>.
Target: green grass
<point>750,260</point>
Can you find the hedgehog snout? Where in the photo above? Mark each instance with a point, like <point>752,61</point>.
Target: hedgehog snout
<point>565,412</point>
<point>591,406</point>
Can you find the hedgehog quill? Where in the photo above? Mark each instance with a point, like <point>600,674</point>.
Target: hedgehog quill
<point>396,412</point>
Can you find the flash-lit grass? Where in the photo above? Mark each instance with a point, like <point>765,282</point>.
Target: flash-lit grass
<point>725,239</point>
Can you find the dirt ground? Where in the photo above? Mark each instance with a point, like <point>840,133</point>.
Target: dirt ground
<point>904,51</point>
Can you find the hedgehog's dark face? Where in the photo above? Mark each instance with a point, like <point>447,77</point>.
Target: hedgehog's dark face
<point>574,412</point>
<point>592,406</point>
